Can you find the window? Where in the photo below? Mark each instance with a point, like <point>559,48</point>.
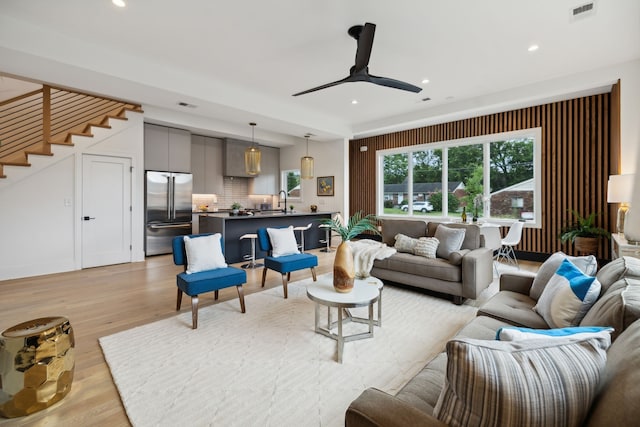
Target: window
<point>291,183</point>
<point>493,177</point>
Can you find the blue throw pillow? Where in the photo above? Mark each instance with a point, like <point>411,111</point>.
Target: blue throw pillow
<point>568,296</point>
<point>513,333</point>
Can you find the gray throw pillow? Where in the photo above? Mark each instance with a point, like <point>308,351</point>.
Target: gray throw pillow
<point>516,383</point>
<point>405,244</point>
<point>587,264</point>
<point>450,240</point>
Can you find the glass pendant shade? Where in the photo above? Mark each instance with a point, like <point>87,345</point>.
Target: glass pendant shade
<point>252,156</point>
<point>252,161</point>
<point>306,164</point>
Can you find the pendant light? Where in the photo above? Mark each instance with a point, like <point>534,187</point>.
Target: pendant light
<point>306,163</point>
<point>252,155</point>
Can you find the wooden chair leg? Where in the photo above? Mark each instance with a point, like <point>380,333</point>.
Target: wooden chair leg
<point>179,300</point>
<point>194,312</point>
<point>313,273</point>
<point>284,285</point>
<point>264,275</point>
<point>289,276</point>
<point>241,297</point>
<point>215,295</point>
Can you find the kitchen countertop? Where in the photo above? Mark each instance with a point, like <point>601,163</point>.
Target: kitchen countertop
<point>226,215</point>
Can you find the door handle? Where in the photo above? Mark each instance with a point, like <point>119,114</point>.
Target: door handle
<point>87,218</point>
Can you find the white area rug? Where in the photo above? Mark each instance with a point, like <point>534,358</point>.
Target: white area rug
<point>268,367</point>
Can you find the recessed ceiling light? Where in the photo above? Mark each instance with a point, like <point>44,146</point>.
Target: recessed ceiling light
<point>533,48</point>
<point>119,3</point>
<point>425,81</point>
<point>354,102</point>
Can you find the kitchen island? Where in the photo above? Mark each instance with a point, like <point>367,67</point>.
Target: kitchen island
<point>232,227</point>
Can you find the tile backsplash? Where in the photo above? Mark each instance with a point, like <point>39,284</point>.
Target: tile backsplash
<point>235,190</point>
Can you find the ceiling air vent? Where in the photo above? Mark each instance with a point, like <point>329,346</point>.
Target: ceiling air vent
<point>583,11</point>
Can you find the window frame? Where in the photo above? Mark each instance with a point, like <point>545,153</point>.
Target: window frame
<point>283,185</point>
<point>485,141</point>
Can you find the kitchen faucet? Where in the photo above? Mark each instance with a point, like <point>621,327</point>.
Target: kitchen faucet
<point>285,200</point>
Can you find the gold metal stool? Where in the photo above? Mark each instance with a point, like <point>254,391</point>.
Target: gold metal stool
<point>37,359</point>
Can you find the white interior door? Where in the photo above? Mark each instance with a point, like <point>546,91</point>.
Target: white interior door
<point>106,210</point>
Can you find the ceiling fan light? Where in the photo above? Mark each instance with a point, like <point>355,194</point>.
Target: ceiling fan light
<point>252,156</point>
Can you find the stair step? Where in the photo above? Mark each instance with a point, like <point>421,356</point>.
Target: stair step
<point>99,125</point>
<point>14,163</point>
<point>70,144</point>
<point>37,153</point>
<point>110,116</point>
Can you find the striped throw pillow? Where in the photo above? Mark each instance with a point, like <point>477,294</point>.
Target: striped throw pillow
<point>426,247</point>
<point>521,383</point>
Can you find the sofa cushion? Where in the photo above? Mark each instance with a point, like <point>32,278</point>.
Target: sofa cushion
<point>586,264</point>
<point>427,247</point>
<point>618,307</point>
<point>513,308</point>
<point>424,389</point>
<point>617,401</point>
<point>518,383</point>
<point>482,328</point>
<point>617,269</point>
<point>450,240</point>
<point>436,268</point>
<point>411,228</point>
<point>568,296</point>
<point>405,243</point>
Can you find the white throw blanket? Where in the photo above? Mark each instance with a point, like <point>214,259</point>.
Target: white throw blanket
<point>365,251</point>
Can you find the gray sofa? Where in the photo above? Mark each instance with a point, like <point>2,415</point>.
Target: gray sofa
<point>618,392</point>
<point>465,274</point>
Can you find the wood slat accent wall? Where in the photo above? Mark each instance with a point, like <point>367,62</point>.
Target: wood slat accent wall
<point>577,155</point>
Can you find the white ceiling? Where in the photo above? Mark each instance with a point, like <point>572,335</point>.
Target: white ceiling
<point>240,61</point>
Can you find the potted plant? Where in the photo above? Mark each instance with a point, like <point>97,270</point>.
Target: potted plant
<point>583,233</point>
<point>343,268</point>
<point>235,208</point>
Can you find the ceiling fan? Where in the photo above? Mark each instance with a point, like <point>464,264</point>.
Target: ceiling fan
<point>360,71</point>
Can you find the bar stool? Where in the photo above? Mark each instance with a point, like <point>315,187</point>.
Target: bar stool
<point>327,238</point>
<point>252,256</point>
<point>302,229</point>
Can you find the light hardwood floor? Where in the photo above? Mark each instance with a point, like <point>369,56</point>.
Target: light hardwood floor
<point>102,301</point>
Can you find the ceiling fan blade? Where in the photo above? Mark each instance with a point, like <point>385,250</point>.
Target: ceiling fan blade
<point>365,43</point>
<point>337,82</point>
<point>396,84</point>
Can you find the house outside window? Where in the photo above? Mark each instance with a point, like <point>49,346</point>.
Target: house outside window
<point>494,177</point>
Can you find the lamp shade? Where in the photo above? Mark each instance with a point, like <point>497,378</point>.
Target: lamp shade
<point>306,163</point>
<point>619,188</point>
<point>252,155</point>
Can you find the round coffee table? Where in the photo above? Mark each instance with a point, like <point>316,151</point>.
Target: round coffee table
<point>365,293</point>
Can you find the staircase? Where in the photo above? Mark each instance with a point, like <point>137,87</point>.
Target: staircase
<point>31,123</point>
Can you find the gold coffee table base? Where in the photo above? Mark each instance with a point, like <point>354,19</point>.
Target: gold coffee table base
<point>37,360</point>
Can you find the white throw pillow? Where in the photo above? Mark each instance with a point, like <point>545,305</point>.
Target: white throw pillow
<point>587,264</point>
<point>405,244</point>
<point>204,253</point>
<point>426,247</point>
<point>283,241</point>
<point>450,240</point>
<point>568,296</point>
<point>516,333</point>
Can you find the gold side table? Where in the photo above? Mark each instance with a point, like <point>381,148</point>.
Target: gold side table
<point>37,360</point>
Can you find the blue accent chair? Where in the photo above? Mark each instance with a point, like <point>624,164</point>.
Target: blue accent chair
<point>204,281</point>
<point>284,264</point>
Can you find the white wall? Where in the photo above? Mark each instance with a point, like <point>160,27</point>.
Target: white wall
<point>41,206</point>
<point>330,159</point>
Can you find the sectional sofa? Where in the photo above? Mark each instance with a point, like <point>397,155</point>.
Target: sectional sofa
<point>612,402</point>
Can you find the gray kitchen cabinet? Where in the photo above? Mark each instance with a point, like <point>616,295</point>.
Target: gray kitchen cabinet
<point>268,182</point>
<point>166,149</point>
<point>206,165</point>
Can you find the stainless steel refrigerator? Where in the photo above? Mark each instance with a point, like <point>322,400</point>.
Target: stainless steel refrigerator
<point>168,209</point>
